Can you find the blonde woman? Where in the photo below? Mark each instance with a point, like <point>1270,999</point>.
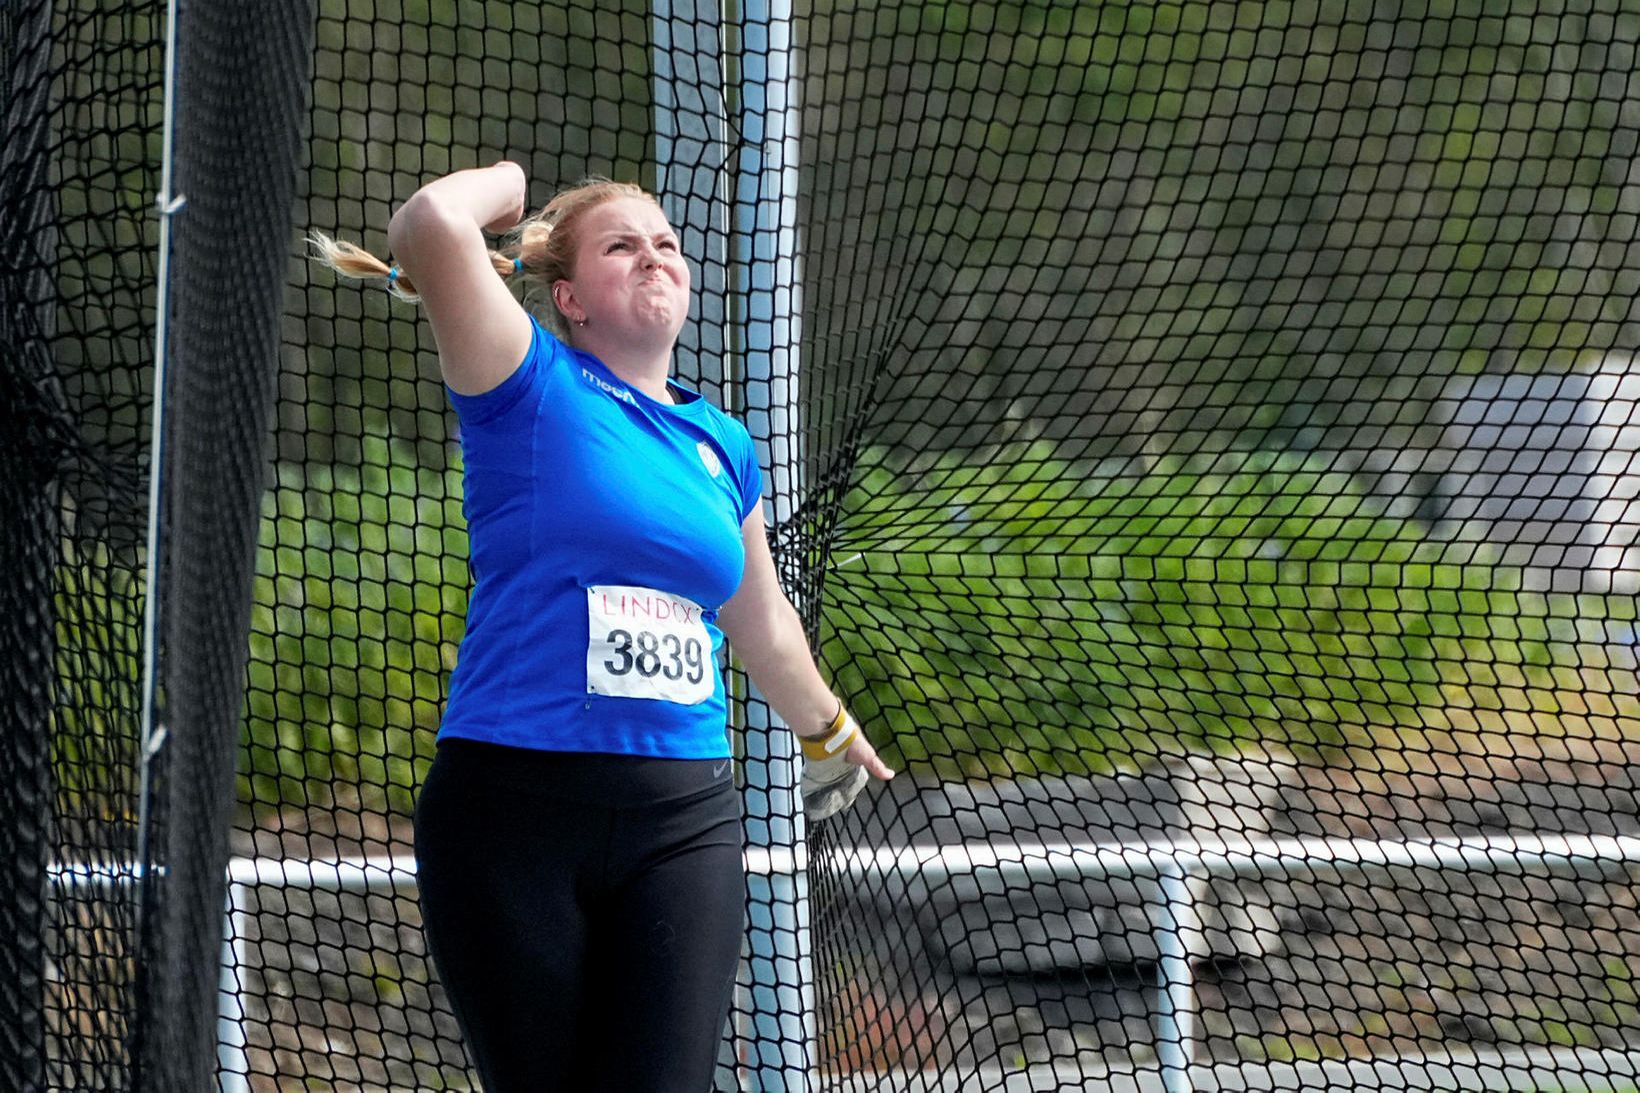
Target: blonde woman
<point>578,838</point>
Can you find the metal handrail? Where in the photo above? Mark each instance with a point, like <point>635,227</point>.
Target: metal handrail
<point>1174,921</point>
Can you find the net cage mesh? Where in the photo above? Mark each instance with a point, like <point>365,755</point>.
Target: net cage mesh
<point>82,93</point>
<point>1213,484</point>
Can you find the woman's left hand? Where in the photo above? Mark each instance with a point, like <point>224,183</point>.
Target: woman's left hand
<point>831,785</point>
<point>862,754</point>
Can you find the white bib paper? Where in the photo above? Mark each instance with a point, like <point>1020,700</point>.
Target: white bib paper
<point>647,644</point>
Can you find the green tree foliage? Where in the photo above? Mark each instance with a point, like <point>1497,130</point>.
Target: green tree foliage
<point>360,593</point>
<point>1030,616</point>
<point>1222,223</point>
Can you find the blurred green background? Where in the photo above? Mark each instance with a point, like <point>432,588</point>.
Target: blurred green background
<point>1105,308</point>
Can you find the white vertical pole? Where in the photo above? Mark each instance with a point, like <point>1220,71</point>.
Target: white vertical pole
<point>738,221</point>
<point>232,1064</point>
<point>691,139</point>
<point>767,273</point>
<point>1176,930</point>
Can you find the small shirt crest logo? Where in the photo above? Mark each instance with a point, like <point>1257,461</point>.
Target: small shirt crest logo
<point>709,457</point>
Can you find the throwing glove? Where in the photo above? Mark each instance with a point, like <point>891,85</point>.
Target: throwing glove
<point>830,781</point>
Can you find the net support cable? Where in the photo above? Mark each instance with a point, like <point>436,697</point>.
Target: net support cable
<point>152,732</point>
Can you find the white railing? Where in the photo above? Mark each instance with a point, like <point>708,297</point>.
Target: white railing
<point>1176,927</point>
<point>998,867</point>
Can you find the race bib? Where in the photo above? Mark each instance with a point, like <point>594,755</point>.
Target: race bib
<point>647,644</point>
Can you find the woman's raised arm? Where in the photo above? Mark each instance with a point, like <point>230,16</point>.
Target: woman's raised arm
<point>437,239</point>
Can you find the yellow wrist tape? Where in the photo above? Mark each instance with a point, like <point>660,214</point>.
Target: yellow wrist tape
<point>834,741</point>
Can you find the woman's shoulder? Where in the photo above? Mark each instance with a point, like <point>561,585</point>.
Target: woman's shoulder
<point>735,442</point>
<point>544,359</point>
<point>720,422</point>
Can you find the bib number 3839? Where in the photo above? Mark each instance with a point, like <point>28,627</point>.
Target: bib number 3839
<point>647,644</point>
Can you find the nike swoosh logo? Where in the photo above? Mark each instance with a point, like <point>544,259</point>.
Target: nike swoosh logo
<point>718,770</point>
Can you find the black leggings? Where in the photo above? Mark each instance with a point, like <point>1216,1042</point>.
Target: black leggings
<point>584,913</point>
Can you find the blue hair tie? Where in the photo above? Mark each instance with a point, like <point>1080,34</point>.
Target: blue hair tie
<point>518,265</point>
<point>393,275</point>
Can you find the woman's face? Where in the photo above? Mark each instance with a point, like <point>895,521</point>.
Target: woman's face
<point>630,278</point>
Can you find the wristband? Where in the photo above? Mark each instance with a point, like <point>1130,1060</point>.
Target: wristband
<point>835,740</point>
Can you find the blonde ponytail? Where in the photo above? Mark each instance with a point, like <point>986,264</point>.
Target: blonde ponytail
<point>356,262</point>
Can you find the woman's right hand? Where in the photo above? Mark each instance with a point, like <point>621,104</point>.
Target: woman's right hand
<point>515,211</point>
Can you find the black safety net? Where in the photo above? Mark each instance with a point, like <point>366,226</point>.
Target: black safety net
<point>129,559</point>
<point>82,101</point>
<point>1202,439</point>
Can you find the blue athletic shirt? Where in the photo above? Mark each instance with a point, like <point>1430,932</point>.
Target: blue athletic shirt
<point>605,534</point>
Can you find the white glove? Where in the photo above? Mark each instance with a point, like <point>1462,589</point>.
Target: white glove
<point>830,781</point>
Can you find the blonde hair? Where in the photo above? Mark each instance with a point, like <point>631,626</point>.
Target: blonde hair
<point>539,251</point>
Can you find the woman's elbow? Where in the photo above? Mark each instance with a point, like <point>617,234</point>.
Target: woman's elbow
<point>765,632</point>
<point>416,222</point>
<point>787,634</point>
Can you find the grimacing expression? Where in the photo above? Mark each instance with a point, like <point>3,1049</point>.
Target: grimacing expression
<point>630,278</point>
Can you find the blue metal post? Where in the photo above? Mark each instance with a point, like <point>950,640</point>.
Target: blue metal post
<point>767,292</point>
<point>738,221</point>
